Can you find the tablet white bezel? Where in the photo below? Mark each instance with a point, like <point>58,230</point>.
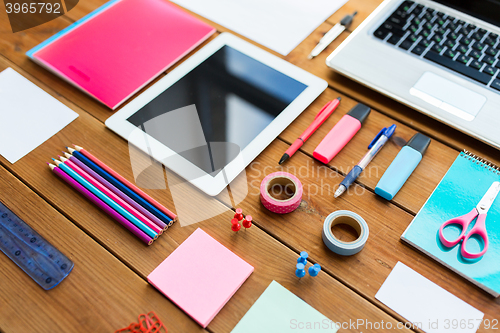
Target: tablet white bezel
<point>208,184</point>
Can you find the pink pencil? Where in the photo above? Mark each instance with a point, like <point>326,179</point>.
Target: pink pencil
<point>126,182</point>
<point>116,191</point>
<point>113,196</point>
<point>123,221</point>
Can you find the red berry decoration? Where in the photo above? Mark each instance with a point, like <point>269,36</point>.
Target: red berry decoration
<point>247,223</point>
<point>235,227</point>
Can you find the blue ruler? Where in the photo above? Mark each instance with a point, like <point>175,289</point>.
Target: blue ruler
<point>31,252</point>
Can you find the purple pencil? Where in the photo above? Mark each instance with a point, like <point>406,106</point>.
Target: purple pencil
<point>127,224</point>
<point>116,191</point>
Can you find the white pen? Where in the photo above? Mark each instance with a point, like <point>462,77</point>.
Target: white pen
<point>330,36</point>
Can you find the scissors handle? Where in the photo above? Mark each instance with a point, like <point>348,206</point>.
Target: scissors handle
<point>462,221</point>
<point>480,230</point>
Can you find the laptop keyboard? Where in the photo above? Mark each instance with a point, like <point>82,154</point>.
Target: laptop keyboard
<point>445,40</point>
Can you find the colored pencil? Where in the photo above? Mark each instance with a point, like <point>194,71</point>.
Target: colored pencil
<point>123,221</point>
<point>126,182</point>
<point>122,187</point>
<point>112,195</point>
<point>122,195</point>
<point>106,199</point>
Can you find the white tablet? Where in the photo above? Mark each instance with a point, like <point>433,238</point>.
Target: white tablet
<point>211,116</point>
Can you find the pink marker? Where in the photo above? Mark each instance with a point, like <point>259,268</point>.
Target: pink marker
<point>341,133</point>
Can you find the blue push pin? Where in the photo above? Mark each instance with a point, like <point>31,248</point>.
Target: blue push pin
<point>303,258</point>
<point>314,270</point>
<point>300,271</point>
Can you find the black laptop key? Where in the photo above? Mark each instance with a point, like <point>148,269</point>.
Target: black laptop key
<point>405,44</point>
<point>413,28</point>
<point>460,22</point>
<point>483,31</point>
<point>394,39</point>
<point>497,65</point>
<point>495,84</point>
<point>462,48</point>
<point>478,46</point>
<point>449,43</point>
<point>458,67</point>
<point>440,21</point>
<point>476,64</point>
<point>428,16</point>
<point>418,49</point>
<point>437,38</point>
<point>477,36</point>
<point>471,27</point>
<point>392,28</point>
<point>491,51</point>
<point>437,48</point>
<point>424,43</point>
<point>397,21</point>
<point>452,26</point>
<point>463,59</point>
<point>490,42</point>
<point>440,14</point>
<point>475,54</point>
<point>493,36</point>
<point>489,70</point>
<point>424,33</point>
<point>489,60</point>
<point>449,53</point>
<point>452,36</point>
<point>427,26</point>
<point>405,6</point>
<point>464,31</point>
<point>416,21</point>
<point>412,38</point>
<point>440,31</point>
<point>465,41</point>
<point>381,33</point>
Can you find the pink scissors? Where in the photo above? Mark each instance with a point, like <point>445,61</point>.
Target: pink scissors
<point>479,228</point>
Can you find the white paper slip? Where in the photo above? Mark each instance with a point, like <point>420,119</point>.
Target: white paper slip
<point>280,25</point>
<point>426,305</point>
<point>28,115</point>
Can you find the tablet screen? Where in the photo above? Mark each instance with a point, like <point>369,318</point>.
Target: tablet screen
<point>235,97</point>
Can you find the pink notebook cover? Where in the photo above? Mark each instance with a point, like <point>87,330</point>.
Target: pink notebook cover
<point>200,276</point>
<point>122,48</point>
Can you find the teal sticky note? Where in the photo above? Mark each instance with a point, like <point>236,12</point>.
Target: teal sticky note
<point>279,310</point>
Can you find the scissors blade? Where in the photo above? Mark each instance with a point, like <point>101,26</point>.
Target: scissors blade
<point>484,205</point>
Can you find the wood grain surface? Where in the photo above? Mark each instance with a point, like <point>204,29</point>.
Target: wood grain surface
<point>108,287</point>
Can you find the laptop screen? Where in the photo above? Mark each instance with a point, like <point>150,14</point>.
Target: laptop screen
<point>486,10</point>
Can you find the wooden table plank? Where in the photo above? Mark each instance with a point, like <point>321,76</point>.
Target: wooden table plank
<point>256,246</point>
<point>101,294</point>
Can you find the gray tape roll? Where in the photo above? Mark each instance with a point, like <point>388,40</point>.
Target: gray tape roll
<point>349,218</point>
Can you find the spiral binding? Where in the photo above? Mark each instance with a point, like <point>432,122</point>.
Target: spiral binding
<point>481,161</point>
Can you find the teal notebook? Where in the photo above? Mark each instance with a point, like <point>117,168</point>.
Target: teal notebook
<point>459,191</point>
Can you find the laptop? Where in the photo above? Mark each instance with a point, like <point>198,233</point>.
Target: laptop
<point>440,57</point>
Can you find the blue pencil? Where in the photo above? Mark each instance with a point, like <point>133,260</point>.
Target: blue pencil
<point>122,187</point>
<point>106,199</point>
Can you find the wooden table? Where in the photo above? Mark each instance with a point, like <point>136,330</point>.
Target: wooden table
<point>108,288</point>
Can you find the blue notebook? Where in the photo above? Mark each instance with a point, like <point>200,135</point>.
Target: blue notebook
<point>459,191</point>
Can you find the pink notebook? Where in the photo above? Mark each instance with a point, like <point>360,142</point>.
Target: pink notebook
<point>200,276</point>
<point>119,48</point>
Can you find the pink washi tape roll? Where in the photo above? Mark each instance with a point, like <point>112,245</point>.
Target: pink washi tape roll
<point>290,184</point>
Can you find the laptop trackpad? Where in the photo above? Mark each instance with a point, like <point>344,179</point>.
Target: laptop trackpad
<point>448,96</point>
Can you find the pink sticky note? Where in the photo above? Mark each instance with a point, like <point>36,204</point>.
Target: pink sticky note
<point>200,276</point>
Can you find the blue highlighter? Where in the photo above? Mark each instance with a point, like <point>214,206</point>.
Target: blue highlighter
<point>402,167</point>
